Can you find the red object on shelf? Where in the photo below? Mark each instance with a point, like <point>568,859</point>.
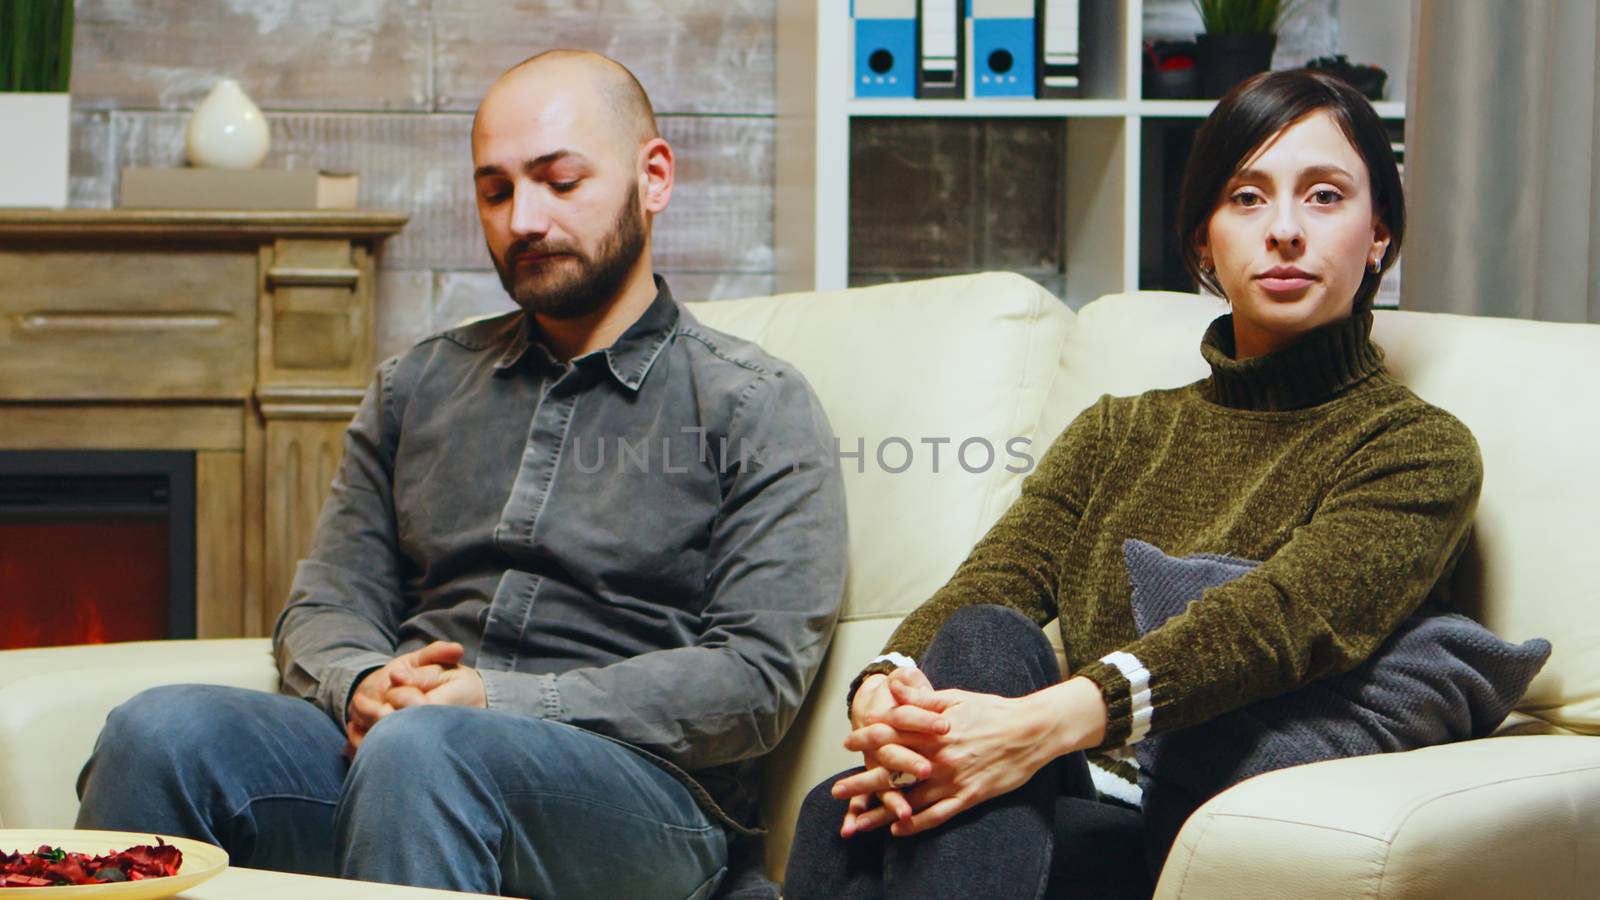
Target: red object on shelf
<point>82,582</point>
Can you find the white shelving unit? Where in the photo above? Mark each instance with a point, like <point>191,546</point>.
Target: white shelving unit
<point>816,105</point>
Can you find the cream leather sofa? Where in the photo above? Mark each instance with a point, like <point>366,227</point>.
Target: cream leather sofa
<point>996,358</point>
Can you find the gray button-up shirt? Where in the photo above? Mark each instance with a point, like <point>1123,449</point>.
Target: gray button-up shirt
<point>647,542</point>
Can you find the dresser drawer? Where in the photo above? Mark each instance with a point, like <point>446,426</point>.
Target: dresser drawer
<point>126,321</point>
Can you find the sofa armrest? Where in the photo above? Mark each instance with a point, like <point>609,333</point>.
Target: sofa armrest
<point>53,701</point>
<point>1498,817</point>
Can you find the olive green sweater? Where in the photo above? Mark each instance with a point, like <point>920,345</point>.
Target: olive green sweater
<point>1355,494</point>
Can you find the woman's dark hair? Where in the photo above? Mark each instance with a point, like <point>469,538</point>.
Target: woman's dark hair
<point>1247,118</point>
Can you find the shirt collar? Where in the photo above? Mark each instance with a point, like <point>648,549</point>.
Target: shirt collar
<point>629,359</point>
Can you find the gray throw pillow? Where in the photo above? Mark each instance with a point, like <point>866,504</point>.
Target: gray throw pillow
<point>1438,678</point>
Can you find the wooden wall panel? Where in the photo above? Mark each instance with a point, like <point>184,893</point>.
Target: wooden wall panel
<point>418,163</point>
<point>461,295</point>
<point>720,219</point>
<point>92,176</point>
<point>693,286</point>
<point>299,54</point>
<point>405,310</point>
<point>702,56</point>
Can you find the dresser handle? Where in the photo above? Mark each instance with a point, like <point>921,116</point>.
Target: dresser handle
<point>290,276</point>
<point>95,321</point>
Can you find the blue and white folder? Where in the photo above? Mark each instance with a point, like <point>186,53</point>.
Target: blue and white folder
<point>886,47</point>
<point>1060,43</point>
<point>1002,43</point>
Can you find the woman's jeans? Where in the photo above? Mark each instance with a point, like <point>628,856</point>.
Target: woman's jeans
<point>1050,837</point>
<point>438,796</point>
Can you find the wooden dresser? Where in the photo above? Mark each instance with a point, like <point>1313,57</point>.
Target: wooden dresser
<point>246,337</point>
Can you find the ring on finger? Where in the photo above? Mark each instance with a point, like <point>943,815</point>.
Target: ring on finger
<point>902,779</point>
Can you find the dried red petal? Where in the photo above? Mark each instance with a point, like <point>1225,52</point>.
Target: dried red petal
<point>68,871</point>
<point>150,862</point>
<point>42,868</point>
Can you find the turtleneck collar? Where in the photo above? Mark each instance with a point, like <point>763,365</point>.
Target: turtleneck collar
<point>1320,365</point>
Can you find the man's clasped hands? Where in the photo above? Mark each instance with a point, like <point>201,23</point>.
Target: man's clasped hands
<point>433,674</point>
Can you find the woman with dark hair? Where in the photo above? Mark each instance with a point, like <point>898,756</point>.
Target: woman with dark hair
<point>989,775</point>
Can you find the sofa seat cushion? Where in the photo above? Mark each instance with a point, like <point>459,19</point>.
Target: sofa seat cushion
<point>53,701</point>
<point>1492,818</point>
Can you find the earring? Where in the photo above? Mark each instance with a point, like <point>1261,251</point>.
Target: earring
<point>1377,265</point>
<point>1206,266</point>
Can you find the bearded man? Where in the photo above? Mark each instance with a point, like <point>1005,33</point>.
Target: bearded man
<point>578,569</point>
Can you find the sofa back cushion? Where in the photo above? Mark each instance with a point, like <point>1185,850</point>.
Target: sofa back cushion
<point>906,371</point>
<point>1523,388</point>
<point>1526,389</point>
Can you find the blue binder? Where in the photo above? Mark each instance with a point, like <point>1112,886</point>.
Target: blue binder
<point>886,47</point>
<point>1002,48</point>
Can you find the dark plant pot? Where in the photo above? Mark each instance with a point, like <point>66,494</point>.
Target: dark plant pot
<point>1171,84</point>
<point>1227,59</point>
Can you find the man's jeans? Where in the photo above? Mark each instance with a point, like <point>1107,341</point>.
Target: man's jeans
<point>438,796</point>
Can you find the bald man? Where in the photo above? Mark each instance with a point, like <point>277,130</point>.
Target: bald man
<point>578,568</point>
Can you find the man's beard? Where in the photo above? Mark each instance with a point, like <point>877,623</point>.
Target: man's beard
<point>590,284</point>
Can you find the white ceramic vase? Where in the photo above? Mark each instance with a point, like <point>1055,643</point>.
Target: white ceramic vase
<point>227,130</point>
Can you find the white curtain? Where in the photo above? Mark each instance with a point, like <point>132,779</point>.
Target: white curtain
<point>1502,159</point>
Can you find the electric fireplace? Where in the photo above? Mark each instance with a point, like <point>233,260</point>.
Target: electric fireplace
<point>96,546</point>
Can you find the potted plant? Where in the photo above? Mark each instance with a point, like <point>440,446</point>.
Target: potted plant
<point>35,108</point>
<point>1238,41</point>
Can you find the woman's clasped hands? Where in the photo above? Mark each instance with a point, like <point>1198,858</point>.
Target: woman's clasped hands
<point>962,747</point>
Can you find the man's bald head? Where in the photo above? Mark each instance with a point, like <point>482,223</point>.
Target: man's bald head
<point>629,116</point>
<point>569,172</point>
